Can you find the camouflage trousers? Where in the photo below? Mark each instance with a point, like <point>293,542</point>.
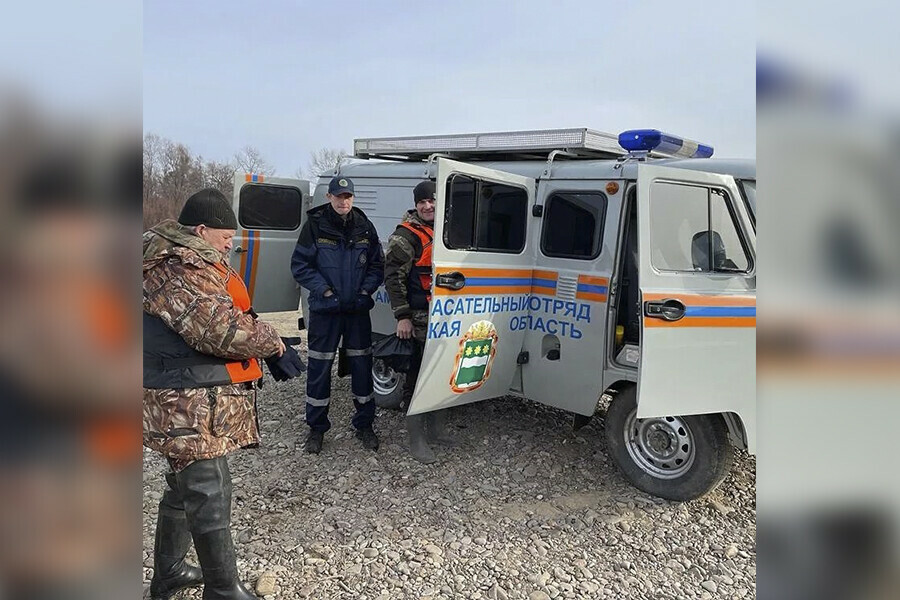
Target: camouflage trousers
<point>420,334</point>
<point>193,424</point>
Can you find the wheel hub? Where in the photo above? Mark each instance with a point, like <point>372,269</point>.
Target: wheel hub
<point>660,440</point>
<point>384,378</point>
<point>661,446</point>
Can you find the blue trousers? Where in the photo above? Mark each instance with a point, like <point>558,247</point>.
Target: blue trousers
<point>324,333</point>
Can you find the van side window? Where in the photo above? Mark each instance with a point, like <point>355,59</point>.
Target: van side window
<point>573,225</point>
<point>269,207</point>
<point>483,215</point>
<point>693,229</point>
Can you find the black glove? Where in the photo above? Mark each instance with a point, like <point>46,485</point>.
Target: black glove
<point>287,366</point>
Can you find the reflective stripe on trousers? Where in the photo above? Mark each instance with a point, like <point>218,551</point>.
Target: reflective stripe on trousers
<point>354,331</point>
<point>318,401</point>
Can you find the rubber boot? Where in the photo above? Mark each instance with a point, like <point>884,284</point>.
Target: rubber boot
<point>437,428</point>
<point>171,573</point>
<point>409,385</point>
<point>418,443</point>
<point>215,549</point>
<point>206,489</point>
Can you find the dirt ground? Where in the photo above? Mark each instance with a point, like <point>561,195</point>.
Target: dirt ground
<point>523,507</point>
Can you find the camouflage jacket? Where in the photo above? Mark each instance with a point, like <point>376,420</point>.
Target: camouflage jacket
<point>183,287</point>
<point>402,253</point>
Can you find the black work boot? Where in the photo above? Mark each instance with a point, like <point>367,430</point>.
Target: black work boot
<point>368,438</point>
<point>215,550</point>
<point>205,486</point>
<point>437,428</point>
<point>171,573</point>
<point>418,443</point>
<point>313,444</point>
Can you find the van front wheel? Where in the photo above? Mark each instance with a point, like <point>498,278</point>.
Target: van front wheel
<point>387,385</point>
<point>677,458</point>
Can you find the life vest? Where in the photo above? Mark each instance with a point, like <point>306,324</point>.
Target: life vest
<point>418,289</point>
<point>170,363</point>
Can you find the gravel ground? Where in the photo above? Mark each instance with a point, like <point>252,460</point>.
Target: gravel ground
<point>523,507</point>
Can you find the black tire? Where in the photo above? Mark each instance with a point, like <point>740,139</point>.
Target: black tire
<point>643,450</point>
<point>388,386</point>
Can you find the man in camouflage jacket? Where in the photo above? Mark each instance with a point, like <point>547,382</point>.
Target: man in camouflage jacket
<point>201,344</point>
<point>407,279</point>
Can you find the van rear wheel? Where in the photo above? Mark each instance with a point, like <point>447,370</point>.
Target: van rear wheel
<point>677,458</point>
<point>387,385</point>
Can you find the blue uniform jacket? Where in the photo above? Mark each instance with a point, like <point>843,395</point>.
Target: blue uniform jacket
<point>344,256</point>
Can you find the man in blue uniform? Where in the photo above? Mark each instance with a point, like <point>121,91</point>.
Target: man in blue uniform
<point>338,259</point>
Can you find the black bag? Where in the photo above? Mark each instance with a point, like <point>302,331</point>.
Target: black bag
<point>396,353</point>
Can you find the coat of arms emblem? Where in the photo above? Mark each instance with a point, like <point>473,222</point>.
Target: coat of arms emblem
<point>477,349</point>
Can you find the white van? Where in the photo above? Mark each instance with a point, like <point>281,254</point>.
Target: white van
<point>571,267</point>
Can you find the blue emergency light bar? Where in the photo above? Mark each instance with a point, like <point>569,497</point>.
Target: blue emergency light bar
<point>640,141</point>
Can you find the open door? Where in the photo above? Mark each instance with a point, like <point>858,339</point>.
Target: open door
<point>482,261</point>
<point>698,284</point>
<point>270,211</point>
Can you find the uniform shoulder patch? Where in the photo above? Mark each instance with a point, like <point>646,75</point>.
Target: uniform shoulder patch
<point>326,241</point>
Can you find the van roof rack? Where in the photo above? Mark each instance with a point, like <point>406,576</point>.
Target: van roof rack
<point>505,145</point>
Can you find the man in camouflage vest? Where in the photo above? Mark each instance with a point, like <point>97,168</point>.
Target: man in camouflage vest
<point>201,345</point>
<point>407,279</point>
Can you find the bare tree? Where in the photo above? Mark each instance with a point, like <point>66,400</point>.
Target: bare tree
<point>183,173</point>
<point>324,161</point>
<point>220,176</point>
<point>153,151</point>
<point>172,173</point>
<point>250,160</point>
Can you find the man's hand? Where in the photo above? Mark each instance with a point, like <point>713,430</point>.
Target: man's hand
<point>328,293</point>
<point>280,346</point>
<point>404,329</point>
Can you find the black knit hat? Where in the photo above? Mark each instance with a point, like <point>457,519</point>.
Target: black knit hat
<point>208,207</point>
<point>423,191</point>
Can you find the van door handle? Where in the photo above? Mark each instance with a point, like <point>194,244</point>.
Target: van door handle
<point>452,281</point>
<point>240,250</point>
<point>669,309</point>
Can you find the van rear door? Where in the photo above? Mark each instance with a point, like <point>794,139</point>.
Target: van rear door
<point>697,260</point>
<point>270,211</point>
<point>482,261</point>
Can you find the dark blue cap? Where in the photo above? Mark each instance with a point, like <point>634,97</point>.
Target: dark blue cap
<point>340,185</point>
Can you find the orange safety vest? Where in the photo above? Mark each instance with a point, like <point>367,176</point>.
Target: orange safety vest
<point>169,363</point>
<point>247,370</point>
<point>420,274</point>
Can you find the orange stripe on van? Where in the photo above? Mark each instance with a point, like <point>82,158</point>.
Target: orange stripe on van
<point>702,322</point>
<point>525,289</point>
<point>593,280</point>
<point>478,272</point>
<point>548,276</point>
<point>590,296</point>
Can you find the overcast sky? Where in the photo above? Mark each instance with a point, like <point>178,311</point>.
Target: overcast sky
<point>293,77</point>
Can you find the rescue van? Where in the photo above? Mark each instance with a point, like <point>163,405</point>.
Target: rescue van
<point>579,269</point>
